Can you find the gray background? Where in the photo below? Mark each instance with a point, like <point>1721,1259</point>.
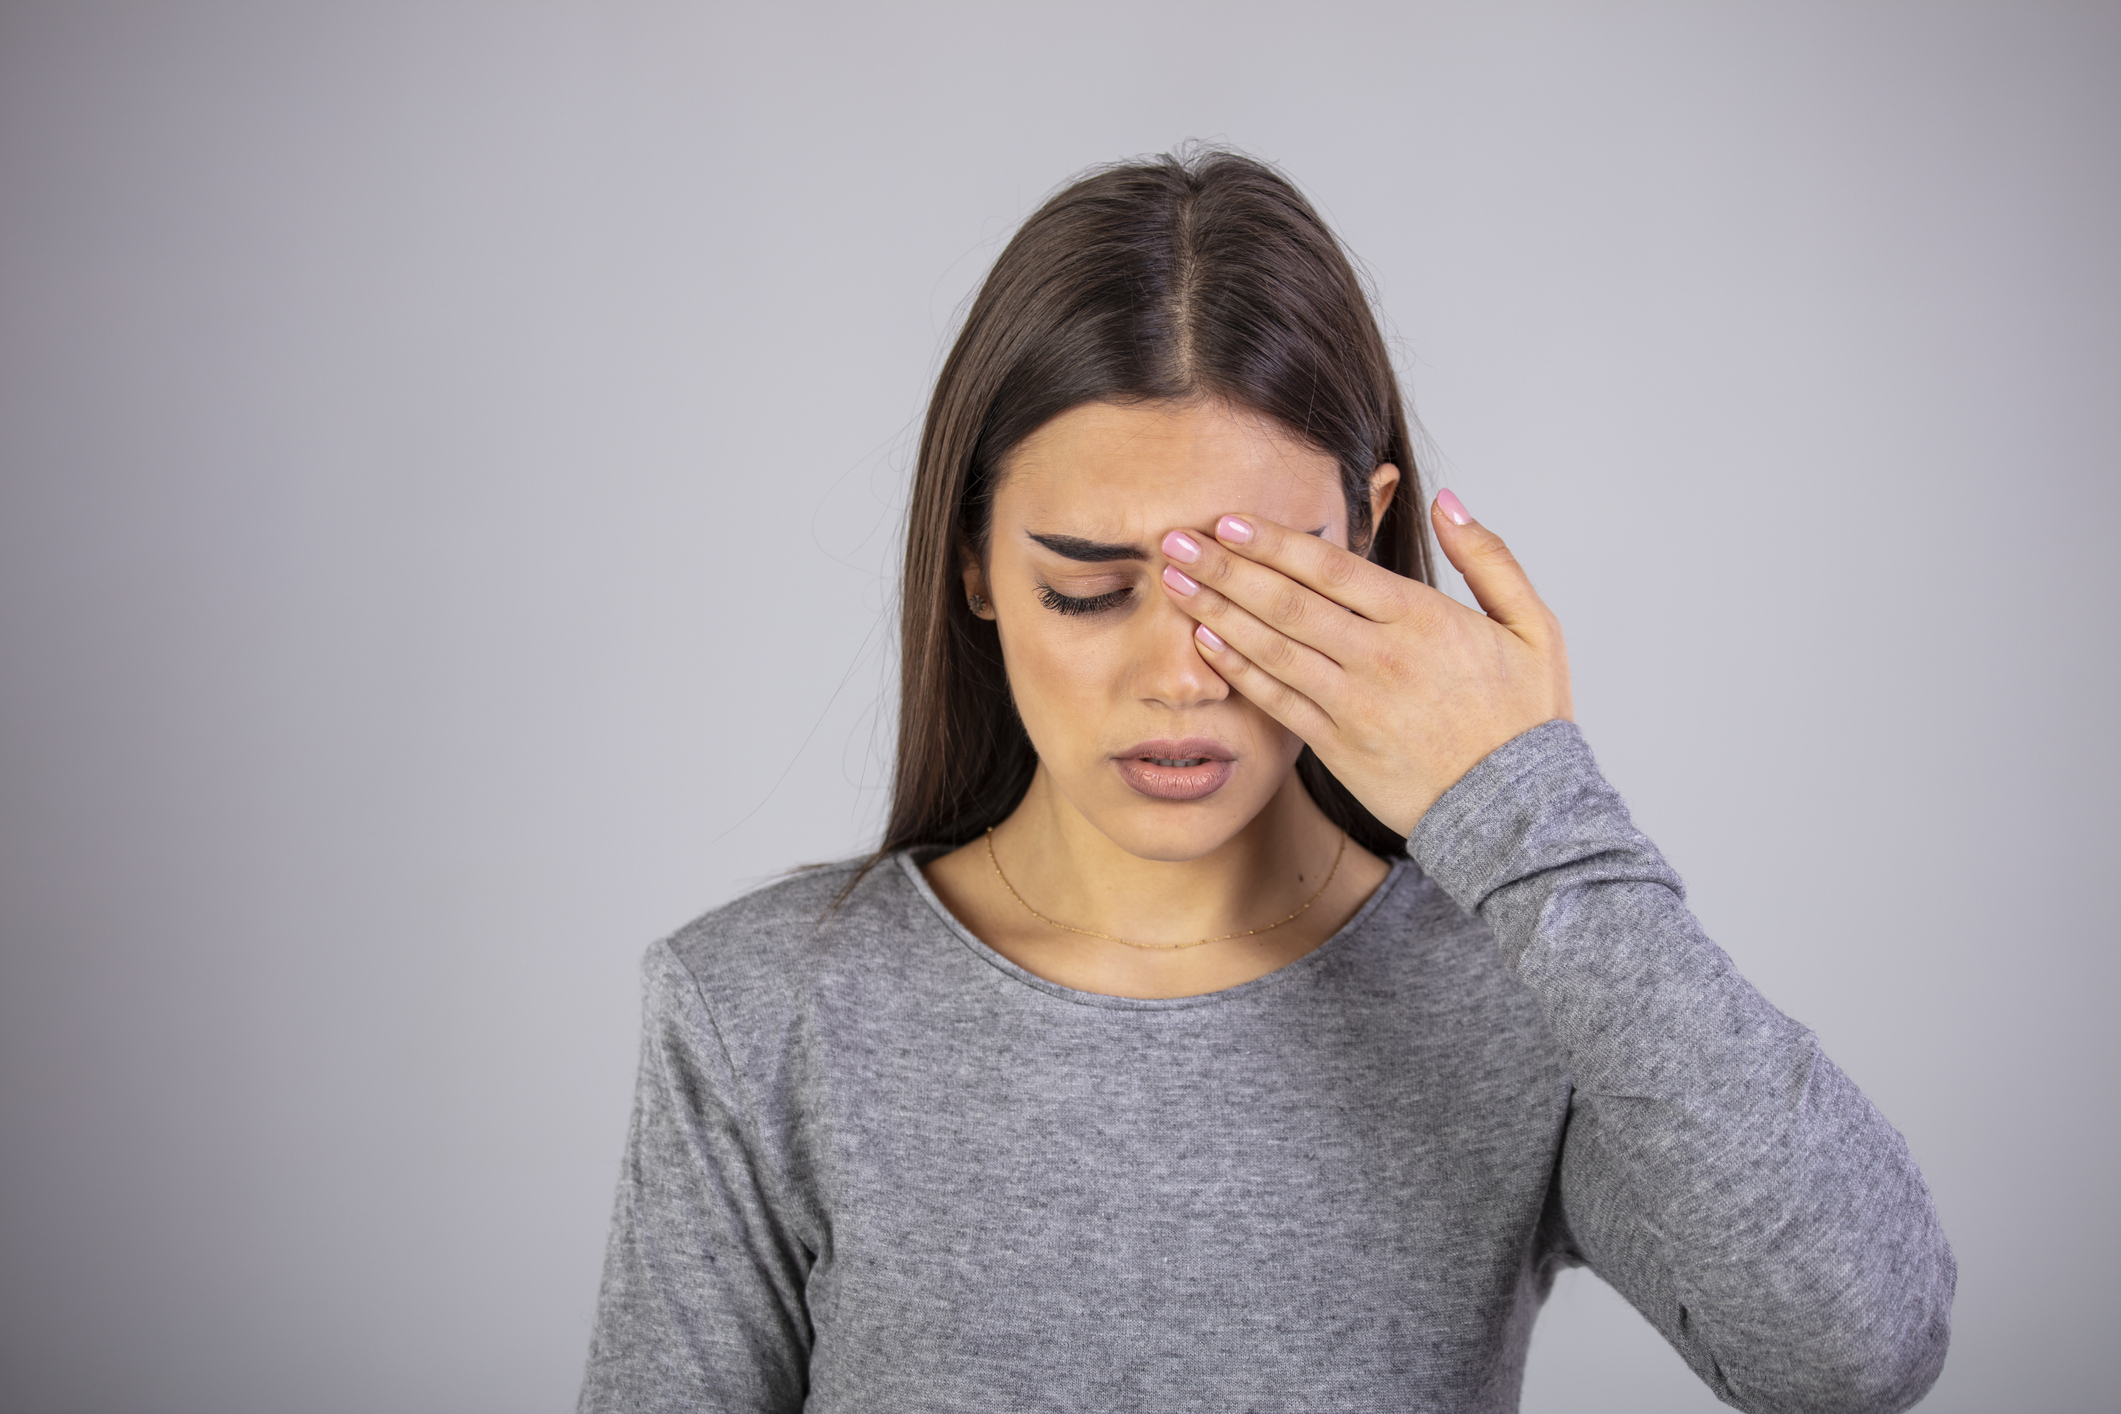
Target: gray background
<point>452,464</point>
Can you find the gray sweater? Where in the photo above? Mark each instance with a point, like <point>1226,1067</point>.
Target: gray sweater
<point>875,1166</point>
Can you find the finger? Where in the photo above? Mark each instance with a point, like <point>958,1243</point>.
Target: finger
<point>1264,690</point>
<point>1312,560</point>
<point>1268,595</point>
<point>1498,582</point>
<point>1303,668</point>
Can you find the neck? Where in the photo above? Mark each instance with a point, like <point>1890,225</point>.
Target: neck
<point>1072,872</point>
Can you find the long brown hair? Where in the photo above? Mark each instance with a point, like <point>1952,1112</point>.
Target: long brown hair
<point>1204,274</point>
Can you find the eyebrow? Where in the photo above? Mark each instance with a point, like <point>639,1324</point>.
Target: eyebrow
<point>1089,552</point>
<point>1098,552</point>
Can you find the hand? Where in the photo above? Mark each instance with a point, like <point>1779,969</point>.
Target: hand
<point>1401,696</point>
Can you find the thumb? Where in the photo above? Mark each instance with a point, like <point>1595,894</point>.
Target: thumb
<point>1498,582</point>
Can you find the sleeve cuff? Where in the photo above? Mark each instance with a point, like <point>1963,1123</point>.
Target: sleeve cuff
<point>1539,784</point>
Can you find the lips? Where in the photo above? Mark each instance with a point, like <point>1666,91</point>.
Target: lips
<point>1177,770</point>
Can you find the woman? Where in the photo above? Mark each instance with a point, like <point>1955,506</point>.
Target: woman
<point>1259,995</point>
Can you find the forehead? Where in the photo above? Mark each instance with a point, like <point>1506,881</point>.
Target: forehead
<point>1123,470</point>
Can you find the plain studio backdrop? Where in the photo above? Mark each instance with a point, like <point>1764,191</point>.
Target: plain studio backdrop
<point>454,458</point>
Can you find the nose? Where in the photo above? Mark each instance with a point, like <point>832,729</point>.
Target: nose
<point>1168,669</point>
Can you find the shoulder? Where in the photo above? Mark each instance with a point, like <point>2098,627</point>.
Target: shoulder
<point>785,939</point>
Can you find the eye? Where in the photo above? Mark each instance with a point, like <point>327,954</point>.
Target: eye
<point>1061,603</point>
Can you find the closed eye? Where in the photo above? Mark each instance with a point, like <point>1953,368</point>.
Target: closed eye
<point>1067,604</point>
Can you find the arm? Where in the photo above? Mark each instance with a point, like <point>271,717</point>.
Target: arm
<point>702,1301</point>
<point>1718,1169</point>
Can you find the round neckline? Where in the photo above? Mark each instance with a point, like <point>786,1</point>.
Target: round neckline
<point>910,860</point>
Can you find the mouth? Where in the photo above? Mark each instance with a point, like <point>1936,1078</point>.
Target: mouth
<point>1177,770</point>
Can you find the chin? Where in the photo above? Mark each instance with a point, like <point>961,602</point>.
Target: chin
<point>1177,831</point>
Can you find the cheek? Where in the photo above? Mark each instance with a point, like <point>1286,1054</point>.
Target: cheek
<point>1061,679</point>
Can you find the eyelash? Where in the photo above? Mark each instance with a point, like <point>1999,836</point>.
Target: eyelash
<point>1062,604</point>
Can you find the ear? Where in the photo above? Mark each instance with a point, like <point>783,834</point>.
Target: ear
<point>1383,482</point>
<point>974,576</point>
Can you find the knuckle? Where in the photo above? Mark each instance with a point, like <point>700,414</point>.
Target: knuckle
<point>1277,652</point>
<point>1339,571</point>
<point>1493,548</point>
<point>1288,606</point>
<point>1394,664</point>
<point>1273,692</point>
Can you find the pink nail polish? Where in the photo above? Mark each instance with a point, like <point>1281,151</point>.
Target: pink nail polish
<point>1181,547</point>
<point>1207,636</point>
<point>1178,581</point>
<point>1232,529</point>
<point>1454,510</point>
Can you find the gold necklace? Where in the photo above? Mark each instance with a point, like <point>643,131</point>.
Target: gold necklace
<point>1163,947</point>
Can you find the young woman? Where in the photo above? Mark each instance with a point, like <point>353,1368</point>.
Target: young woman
<point>1259,994</point>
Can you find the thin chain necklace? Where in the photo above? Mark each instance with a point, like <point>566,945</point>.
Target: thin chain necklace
<point>1164,947</point>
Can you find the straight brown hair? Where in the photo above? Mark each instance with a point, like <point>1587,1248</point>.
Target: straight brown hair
<point>1199,275</point>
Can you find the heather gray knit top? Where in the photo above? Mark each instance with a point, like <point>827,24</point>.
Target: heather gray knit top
<point>875,1166</point>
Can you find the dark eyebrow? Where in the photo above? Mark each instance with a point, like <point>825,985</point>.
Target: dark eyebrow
<point>1089,552</point>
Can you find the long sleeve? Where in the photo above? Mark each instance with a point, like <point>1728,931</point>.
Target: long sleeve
<point>702,1300</point>
<point>1717,1169</point>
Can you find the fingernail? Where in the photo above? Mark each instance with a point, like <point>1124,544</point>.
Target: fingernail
<point>1232,529</point>
<point>1178,581</point>
<point>1181,547</point>
<point>1208,639</point>
<point>1454,510</point>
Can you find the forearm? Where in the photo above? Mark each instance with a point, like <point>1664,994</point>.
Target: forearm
<point>1718,1170</point>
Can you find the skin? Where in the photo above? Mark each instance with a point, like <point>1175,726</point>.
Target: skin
<point>1244,620</point>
